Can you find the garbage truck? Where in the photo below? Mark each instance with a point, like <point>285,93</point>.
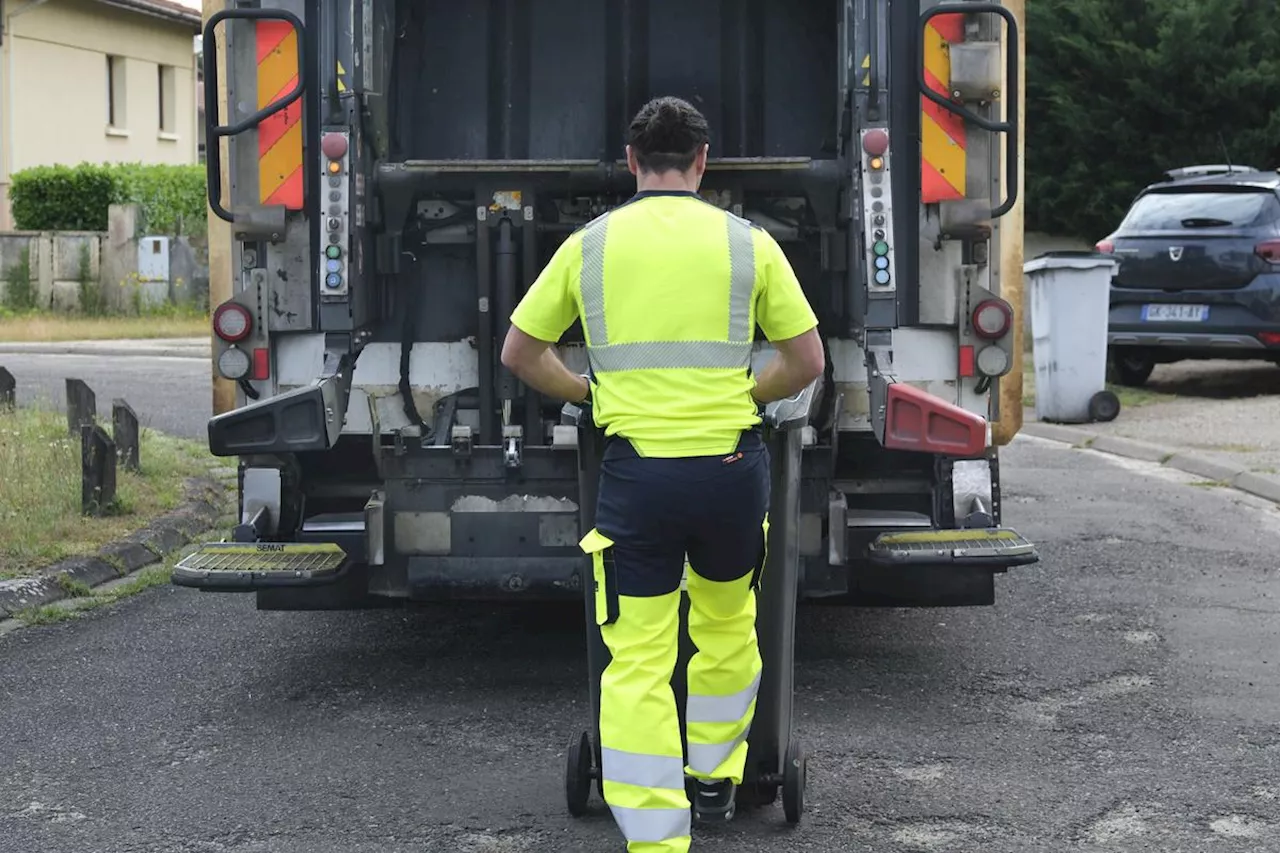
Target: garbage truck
<point>389,176</point>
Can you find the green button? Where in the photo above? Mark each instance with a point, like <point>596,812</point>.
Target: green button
<point>880,248</point>
<point>334,251</point>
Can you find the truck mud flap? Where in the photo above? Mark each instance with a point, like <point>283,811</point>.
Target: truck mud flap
<point>251,566</point>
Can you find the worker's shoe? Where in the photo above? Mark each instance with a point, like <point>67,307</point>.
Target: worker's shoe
<point>713,800</point>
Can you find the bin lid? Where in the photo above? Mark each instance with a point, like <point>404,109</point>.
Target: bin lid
<point>1070,259</point>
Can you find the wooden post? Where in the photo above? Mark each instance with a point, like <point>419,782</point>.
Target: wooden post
<point>82,406</point>
<point>220,255</point>
<point>8,389</point>
<point>1010,243</point>
<point>124,431</point>
<point>98,470</point>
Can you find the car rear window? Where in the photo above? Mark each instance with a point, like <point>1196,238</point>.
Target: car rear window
<point>1177,211</point>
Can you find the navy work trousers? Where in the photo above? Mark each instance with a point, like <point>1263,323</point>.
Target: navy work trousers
<point>657,511</point>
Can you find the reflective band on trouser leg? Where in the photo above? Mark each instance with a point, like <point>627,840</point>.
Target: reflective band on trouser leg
<point>640,746</point>
<point>724,676</point>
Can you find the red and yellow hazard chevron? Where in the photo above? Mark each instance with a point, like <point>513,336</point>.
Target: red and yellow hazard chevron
<point>942,133</point>
<point>280,135</point>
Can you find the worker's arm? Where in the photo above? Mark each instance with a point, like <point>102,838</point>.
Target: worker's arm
<point>799,361</point>
<point>788,321</point>
<point>536,364</point>
<point>543,315</point>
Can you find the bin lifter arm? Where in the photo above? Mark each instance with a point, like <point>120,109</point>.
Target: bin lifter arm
<point>305,419</point>
<point>907,418</point>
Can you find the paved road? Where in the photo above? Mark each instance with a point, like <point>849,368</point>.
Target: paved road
<point>169,394</point>
<point>1121,696</point>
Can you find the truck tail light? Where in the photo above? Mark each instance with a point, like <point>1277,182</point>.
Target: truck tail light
<point>1269,251</point>
<point>261,364</point>
<point>234,363</point>
<point>1106,247</point>
<point>966,361</point>
<point>232,322</point>
<point>992,319</point>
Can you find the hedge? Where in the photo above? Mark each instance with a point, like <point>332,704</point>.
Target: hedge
<point>76,198</point>
<point>1120,90</point>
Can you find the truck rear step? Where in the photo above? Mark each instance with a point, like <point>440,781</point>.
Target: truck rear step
<point>244,567</point>
<point>996,548</point>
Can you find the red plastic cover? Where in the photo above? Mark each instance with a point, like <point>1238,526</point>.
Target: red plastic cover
<point>918,421</point>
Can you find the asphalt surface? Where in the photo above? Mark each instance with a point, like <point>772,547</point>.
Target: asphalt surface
<point>173,395</point>
<point>1121,696</point>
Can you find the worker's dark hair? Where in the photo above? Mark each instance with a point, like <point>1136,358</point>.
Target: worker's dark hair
<point>667,134</point>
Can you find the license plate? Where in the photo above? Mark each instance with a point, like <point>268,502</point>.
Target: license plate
<point>1175,313</point>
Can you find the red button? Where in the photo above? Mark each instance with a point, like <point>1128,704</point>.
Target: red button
<point>876,142</point>
<point>334,145</point>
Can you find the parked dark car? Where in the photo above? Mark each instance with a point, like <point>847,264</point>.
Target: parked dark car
<point>1199,271</point>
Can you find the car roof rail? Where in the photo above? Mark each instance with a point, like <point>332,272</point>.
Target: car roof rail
<point>1207,169</point>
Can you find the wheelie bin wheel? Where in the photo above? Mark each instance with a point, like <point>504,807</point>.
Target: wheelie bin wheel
<point>1104,406</point>
<point>794,776</point>
<point>577,775</point>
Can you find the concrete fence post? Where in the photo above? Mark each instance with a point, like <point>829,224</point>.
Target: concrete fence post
<point>124,430</point>
<point>98,470</point>
<point>8,389</point>
<point>82,406</point>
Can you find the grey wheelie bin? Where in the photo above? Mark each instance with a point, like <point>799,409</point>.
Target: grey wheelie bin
<point>775,761</point>
<point>1070,310</point>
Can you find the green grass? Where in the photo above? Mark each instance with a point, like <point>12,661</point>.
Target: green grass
<point>40,490</point>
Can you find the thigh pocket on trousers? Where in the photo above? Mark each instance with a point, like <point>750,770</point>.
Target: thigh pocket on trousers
<point>764,552</point>
<point>604,575</point>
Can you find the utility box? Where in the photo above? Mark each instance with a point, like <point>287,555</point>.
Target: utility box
<point>153,259</point>
<point>1070,294</point>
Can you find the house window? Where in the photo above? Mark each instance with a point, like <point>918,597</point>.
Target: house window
<point>115,92</point>
<point>168,100</point>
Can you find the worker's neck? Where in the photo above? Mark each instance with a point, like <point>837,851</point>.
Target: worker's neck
<point>671,181</point>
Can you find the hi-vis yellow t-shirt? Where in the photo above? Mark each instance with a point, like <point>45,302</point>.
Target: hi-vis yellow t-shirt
<point>674,271</point>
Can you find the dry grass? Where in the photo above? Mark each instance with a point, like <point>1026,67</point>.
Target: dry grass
<point>40,490</point>
<point>45,328</point>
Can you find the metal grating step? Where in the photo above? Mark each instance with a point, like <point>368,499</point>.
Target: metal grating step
<point>259,565</point>
<point>997,547</point>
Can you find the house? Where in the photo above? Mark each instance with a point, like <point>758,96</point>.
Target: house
<point>98,81</point>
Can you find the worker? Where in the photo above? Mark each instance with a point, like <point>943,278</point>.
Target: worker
<point>669,290</point>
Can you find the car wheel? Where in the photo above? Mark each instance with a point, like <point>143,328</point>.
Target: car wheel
<point>1132,368</point>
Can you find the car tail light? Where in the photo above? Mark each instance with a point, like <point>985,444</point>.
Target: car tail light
<point>992,319</point>
<point>1271,339</point>
<point>232,322</point>
<point>1106,247</point>
<point>1269,251</point>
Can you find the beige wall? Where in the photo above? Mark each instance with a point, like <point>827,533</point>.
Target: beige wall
<point>53,89</point>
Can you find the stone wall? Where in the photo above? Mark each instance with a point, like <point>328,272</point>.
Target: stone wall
<point>126,268</point>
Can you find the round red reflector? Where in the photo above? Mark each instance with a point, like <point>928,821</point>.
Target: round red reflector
<point>875,141</point>
<point>334,145</point>
<point>992,318</point>
<point>232,322</point>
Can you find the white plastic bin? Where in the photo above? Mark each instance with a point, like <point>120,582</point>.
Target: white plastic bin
<point>1070,306</point>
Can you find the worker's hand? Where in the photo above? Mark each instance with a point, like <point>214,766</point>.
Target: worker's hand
<point>585,395</point>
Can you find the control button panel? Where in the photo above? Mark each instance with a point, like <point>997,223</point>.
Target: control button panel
<point>336,215</point>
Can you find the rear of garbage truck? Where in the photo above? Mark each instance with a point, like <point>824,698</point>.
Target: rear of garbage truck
<point>391,175</point>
